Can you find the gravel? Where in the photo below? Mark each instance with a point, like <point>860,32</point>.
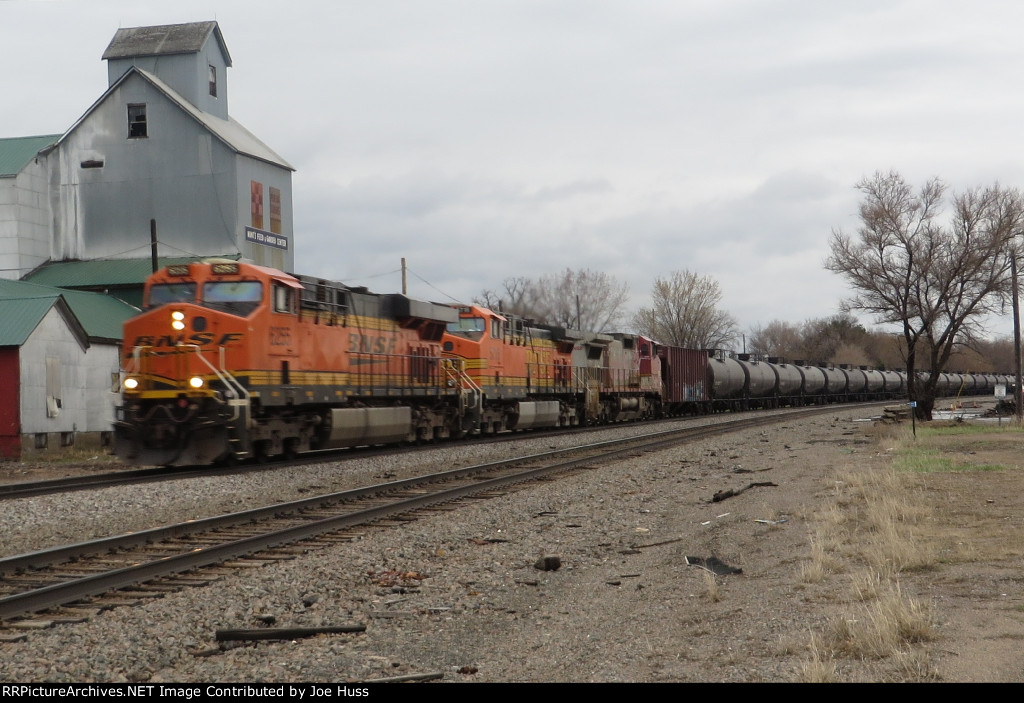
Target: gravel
<point>459,592</point>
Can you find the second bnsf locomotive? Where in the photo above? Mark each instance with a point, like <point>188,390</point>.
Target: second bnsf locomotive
<point>231,361</point>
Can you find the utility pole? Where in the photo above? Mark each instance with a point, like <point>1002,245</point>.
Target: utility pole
<point>405,288</point>
<point>152,246</point>
<point>1017,395</point>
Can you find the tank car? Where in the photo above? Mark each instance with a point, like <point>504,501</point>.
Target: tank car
<point>789,382</point>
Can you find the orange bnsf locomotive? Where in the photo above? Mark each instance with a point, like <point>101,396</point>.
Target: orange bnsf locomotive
<point>231,361</point>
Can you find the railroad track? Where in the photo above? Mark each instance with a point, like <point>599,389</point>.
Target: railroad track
<point>68,577</point>
<point>28,489</point>
<point>92,481</point>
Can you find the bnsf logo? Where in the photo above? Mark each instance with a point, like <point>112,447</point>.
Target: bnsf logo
<point>369,344</point>
<point>201,339</point>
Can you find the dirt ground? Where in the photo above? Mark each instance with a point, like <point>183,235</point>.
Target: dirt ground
<point>914,565</point>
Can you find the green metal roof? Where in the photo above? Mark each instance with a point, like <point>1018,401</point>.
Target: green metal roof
<point>16,152</point>
<point>19,317</point>
<point>100,273</point>
<point>24,304</point>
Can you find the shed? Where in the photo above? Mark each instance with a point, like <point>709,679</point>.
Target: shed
<point>59,365</point>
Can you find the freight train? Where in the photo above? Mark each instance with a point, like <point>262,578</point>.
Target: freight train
<point>231,361</point>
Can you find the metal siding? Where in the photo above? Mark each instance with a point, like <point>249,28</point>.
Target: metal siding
<point>23,304</point>
<point>20,317</point>
<point>107,272</point>
<point>107,210</point>
<point>25,219</point>
<point>685,374</point>
<point>85,381</point>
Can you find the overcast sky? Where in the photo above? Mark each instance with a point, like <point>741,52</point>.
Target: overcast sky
<point>483,139</point>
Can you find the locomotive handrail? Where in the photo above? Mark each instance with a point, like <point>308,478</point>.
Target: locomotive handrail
<point>455,369</point>
<point>224,375</point>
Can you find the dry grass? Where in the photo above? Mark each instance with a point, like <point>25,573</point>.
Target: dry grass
<point>821,562</point>
<point>712,590</point>
<point>876,519</point>
<point>866,585</point>
<point>822,666</point>
<point>907,519</point>
<point>884,628</point>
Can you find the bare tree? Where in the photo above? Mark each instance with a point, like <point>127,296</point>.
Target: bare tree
<point>823,337</point>
<point>777,339</point>
<point>584,299</point>
<point>685,313</point>
<point>512,298</point>
<point>935,280</point>
<point>997,352</point>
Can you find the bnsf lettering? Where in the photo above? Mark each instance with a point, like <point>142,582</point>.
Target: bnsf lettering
<point>201,339</point>
<point>280,336</point>
<point>368,344</point>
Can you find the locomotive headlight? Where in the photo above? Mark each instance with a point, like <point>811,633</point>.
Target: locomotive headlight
<point>178,320</point>
<point>196,381</point>
<point>131,383</point>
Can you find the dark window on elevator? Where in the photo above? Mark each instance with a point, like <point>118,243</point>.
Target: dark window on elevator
<point>213,81</point>
<point>137,126</point>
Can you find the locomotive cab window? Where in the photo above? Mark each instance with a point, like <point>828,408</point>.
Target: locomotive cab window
<point>284,299</point>
<point>235,297</point>
<point>164,293</point>
<point>471,327</point>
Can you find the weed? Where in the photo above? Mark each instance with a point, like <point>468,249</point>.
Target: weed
<point>821,668</point>
<point>866,585</point>
<point>712,590</point>
<point>886,627</point>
